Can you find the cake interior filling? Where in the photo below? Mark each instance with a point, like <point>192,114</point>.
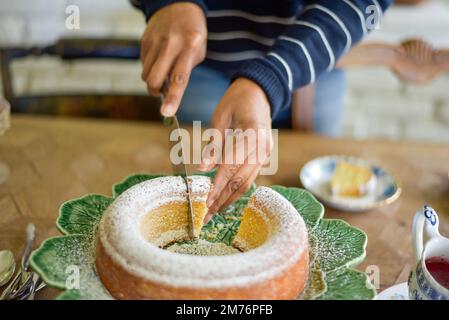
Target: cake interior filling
<point>167,227</point>
<point>202,247</point>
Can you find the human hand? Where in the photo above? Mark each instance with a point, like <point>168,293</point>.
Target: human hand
<point>173,43</point>
<point>244,108</point>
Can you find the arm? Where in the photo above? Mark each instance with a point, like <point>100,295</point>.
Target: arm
<point>310,46</point>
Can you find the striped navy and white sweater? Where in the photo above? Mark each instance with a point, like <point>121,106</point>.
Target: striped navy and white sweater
<point>280,44</point>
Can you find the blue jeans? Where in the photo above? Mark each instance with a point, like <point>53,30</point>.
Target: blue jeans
<point>207,86</point>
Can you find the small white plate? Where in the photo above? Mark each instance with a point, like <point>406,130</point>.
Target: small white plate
<point>396,292</point>
<point>316,174</point>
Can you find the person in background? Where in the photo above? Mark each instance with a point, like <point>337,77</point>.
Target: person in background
<point>236,64</point>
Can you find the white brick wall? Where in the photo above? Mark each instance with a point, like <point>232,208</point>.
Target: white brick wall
<point>42,21</point>
<point>442,111</point>
<point>378,105</point>
<point>49,75</point>
<point>429,21</point>
<point>396,111</point>
<point>39,22</point>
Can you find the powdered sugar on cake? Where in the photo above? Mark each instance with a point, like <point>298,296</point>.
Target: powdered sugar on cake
<point>121,237</point>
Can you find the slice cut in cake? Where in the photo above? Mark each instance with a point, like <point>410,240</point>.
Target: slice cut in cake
<point>349,180</point>
<point>169,220</point>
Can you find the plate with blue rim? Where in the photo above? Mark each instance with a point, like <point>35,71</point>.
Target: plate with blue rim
<point>336,247</point>
<point>315,176</point>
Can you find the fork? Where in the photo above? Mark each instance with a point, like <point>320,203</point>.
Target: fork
<point>21,279</point>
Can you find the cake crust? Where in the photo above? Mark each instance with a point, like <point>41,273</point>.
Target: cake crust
<point>123,285</point>
<point>131,267</point>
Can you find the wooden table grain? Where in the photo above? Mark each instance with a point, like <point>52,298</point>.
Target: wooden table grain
<point>56,159</point>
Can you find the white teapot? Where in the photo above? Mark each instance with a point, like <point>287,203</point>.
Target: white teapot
<point>422,285</point>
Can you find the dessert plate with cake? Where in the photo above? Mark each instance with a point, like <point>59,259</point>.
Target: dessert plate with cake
<point>349,183</point>
<point>273,243</point>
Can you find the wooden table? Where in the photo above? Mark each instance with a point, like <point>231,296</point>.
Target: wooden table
<point>53,160</point>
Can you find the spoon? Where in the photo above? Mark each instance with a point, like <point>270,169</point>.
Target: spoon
<point>27,289</point>
<point>24,288</point>
<point>7,266</point>
<point>21,276</point>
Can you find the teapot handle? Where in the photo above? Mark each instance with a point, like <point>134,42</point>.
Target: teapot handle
<point>425,223</point>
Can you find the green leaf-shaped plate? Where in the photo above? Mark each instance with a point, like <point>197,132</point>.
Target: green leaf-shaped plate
<point>347,284</point>
<point>335,246</point>
<point>307,205</point>
<point>82,216</point>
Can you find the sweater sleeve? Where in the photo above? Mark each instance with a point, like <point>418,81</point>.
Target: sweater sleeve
<point>149,7</point>
<point>322,32</point>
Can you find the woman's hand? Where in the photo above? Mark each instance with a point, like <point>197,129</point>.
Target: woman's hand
<point>244,106</point>
<point>173,43</point>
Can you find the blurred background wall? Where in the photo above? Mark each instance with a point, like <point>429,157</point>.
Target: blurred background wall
<point>378,104</point>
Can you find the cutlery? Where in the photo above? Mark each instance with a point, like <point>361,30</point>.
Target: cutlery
<point>31,233</point>
<point>40,284</point>
<point>23,287</point>
<point>28,289</point>
<point>7,266</point>
<point>22,276</point>
<point>179,169</point>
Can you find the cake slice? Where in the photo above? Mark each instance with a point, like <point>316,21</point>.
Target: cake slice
<point>349,180</point>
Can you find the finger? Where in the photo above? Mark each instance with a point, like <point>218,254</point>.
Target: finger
<point>245,187</point>
<point>226,171</point>
<point>238,193</point>
<point>145,45</point>
<point>224,195</point>
<point>233,160</point>
<point>207,218</point>
<point>160,69</point>
<point>224,174</point>
<point>179,78</point>
<point>228,165</point>
<point>148,59</point>
<point>214,207</point>
<point>210,156</point>
<point>206,167</point>
<point>236,186</point>
<point>235,196</point>
<point>221,119</point>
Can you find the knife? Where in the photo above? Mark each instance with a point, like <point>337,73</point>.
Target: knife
<point>179,169</point>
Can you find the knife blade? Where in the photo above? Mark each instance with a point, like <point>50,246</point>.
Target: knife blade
<point>179,169</point>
